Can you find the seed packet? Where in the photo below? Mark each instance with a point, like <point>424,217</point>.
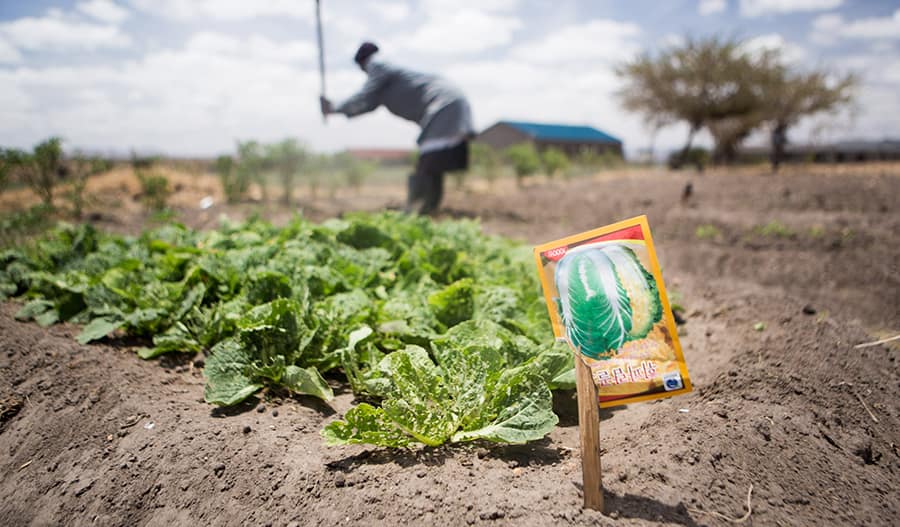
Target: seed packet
<point>606,298</point>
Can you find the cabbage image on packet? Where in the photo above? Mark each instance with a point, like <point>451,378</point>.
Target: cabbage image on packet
<point>606,298</point>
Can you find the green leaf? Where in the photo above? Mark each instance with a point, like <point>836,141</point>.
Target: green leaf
<point>364,424</point>
<point>33,309</point>
<point>455,303</point>
<point>419,403</point>
<point>227,381</point>
<point>306,381</point>
<point>97,329</point>
<point>519,409</point>
<point>557,366</point>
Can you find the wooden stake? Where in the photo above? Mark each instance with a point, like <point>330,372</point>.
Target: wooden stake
<point>589,429</point>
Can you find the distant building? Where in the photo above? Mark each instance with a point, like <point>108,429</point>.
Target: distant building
<point>569,138</point>
<point>840,152</point>
<point>383,156</point>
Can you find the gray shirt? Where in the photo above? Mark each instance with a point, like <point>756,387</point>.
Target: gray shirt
<point>437,105</point>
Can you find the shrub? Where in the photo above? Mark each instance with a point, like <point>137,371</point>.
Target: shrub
<point>82,169</point>
<point>524,159</point>
<point>555,161</point>
<point>155,189</point>
<point>698,157</point>
<point>251,166</point>
<point>39,169</point>
<point>486,161</point>
<point>287,157</point>
<point>233,186</point>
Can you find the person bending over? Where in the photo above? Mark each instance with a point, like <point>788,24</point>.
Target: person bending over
<point>435,104</point>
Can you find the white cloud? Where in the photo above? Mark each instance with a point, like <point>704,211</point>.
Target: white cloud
<point>185,10</point>
<point>54,32</point>
<point>255,47</point>
<point>461,31</point>
<point>828,27</point>
<point>601,40</point>
<point>103,10</point>
<point>443,7</point>
<point>754,8</point>
<point>8,53</point>
<point>391,11</point>
<point>790,52</point>
<point>711,7</point>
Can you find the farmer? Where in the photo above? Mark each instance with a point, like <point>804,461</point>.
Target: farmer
<point>439,108</point>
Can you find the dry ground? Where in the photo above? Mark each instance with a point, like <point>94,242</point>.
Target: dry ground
<point>91,435</point>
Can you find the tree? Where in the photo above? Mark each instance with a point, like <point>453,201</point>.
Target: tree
<point>288,157</point>
<point>699,82</point>
<point>793,96</point>
<point>731,91</point>
<point>39,169</point>
<point>251,165</point>
<point>555,161</point>
<point>524,159</point>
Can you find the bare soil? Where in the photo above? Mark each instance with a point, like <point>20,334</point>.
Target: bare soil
<point>783,277</point>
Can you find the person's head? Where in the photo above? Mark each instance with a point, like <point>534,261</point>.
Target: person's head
<point>364,53</point>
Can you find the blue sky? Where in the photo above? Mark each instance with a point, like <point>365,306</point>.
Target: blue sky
<point>189,77</point>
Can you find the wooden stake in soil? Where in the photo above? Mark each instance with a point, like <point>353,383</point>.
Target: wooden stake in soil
<point>589,429</point>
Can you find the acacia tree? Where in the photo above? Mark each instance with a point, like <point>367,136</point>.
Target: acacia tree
<point>792,96</point>
<point>721,86</point>
<point>699,83</point>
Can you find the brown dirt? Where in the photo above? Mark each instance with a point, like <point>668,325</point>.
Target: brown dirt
<point>92,435</point>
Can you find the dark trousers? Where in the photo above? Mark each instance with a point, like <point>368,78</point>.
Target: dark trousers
<point>426,184</point>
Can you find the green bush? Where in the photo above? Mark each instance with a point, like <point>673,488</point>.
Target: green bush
<point>251,166</point>
<point>555,161</point>
<point>288,158</point>
<point>697,157</point>
<point>155,189</point>
<point>82,168</point>
<point>233,186</point>
<point>39,169</point>
<point>525,160</point>
<point>486,161</point>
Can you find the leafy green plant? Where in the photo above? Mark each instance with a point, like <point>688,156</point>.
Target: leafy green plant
<point>707,231</point>
<point>774,229</point>
<point>16,227</point>
<point>555,161</point>
<point>525,160</point>
<point>369,296</point>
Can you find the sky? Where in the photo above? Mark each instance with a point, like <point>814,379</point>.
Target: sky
<point>191,77</point>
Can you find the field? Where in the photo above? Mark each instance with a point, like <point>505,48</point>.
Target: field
<point>778,277</point>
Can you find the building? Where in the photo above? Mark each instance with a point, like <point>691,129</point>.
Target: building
<point>839,152</point>
<point>571,139</point>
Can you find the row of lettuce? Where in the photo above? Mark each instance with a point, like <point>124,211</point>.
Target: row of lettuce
<point>441,328</point>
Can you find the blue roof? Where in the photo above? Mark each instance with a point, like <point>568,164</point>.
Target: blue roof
<point>562,132</point>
